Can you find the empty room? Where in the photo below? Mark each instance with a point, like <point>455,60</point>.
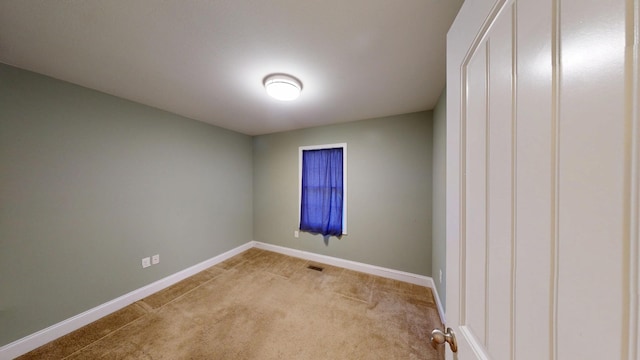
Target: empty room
<point>146,172</point>
<point>360,179</point>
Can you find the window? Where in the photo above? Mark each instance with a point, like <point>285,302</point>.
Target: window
<point>323,189</point>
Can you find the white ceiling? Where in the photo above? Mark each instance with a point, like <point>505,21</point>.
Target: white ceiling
<point>357,59</point>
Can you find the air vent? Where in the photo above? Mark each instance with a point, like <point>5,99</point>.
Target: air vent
<point>316,268</point>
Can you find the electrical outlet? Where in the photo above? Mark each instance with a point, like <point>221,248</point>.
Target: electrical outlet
<point>296,233</point>
<point>155,259</point>
<point>146,262</point>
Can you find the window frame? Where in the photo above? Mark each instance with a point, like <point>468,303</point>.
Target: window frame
<point>343,146</point>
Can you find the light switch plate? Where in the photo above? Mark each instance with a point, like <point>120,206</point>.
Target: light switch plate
<point>155,259</point>
<point>146,262</point>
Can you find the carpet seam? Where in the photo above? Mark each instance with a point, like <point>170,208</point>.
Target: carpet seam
<point>186,292</point>
<point>146,312</point>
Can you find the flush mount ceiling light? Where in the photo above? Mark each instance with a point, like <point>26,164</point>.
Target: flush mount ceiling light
<point>282,87</point>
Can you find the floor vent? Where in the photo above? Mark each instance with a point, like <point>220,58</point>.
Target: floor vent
<point>316,268</point>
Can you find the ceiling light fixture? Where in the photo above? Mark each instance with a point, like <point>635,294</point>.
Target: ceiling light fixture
<point>282,87</point>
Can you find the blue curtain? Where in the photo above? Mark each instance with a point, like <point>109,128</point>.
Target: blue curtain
<point>321,201</point>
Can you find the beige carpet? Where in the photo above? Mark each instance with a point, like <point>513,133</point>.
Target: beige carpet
<point>264,305</point>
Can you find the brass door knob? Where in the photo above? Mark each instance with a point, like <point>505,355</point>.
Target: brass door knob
<point>438,338</point>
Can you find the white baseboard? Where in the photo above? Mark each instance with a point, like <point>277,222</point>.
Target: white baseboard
<point>35,340</point>
<point>438,303</point>
<point>348,264</point>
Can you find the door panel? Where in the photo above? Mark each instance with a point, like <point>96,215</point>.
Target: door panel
<point>500,178</point>
<point>591,176</point>
<point>535,179</point>
<point>542,179</point>
<point>475,244</point>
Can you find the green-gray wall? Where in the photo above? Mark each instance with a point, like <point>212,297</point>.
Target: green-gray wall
<point>90,184</point>
<point>439,198</point>
<point>389,191</point>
